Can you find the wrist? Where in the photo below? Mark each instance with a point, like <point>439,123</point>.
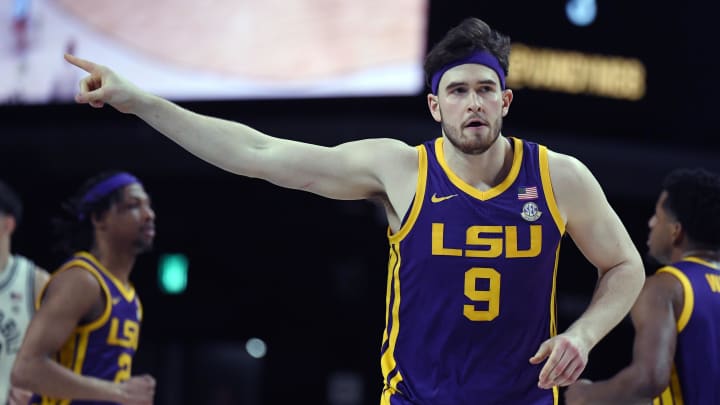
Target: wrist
<point>117,392</point>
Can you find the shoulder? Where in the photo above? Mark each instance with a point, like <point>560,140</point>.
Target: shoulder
<point>383,149</point>
<point>670,281</point>
<point>664,282</point>
<point>576,189</point>
<point>661,291</point>
<point>74,282</point>
<point>390,160</point>
<point>566,169</point>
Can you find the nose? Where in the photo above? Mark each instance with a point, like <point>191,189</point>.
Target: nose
<point>476,102</point>
<point>651,222</point>
<point>149,213</point>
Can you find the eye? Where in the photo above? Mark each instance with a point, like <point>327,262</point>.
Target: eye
<point>458,90</point>
<point>132,204</point>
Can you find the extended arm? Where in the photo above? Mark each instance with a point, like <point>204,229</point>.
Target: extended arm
<point>70,296</point>
<point>647,376</point>
<point>601,237</point>
<point>355,170</point>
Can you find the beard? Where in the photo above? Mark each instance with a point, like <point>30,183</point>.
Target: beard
<point>143,245</point>
<point>473,144</point>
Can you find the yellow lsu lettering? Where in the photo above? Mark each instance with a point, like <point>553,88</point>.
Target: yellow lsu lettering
<point>714,282</point>
<point>130,334</point>
<point>478,235</point>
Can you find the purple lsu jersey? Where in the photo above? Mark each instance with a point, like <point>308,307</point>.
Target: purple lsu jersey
<point>103,348</point>
<point>696,369</point>
<point>471,285</point>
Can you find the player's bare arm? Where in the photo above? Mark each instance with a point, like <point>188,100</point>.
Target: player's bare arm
<point>71,297</point>
<point>602,238</point>
<point>355,170</point>
<point>654,317</point>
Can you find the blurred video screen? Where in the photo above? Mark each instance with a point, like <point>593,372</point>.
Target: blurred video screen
<point>215,49</point>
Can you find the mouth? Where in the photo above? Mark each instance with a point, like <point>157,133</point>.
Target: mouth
<point>148,231</point>
<point>475,123</point>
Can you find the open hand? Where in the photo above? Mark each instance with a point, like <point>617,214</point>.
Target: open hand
<point>566,360</point>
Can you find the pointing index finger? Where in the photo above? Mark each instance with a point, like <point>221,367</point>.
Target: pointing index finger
<point>83,64</point>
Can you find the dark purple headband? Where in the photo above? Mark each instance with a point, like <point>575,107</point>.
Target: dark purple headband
<point>478,57</point>
<point>104,188</point>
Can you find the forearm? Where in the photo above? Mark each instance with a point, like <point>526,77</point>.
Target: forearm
<point>615,294</point>
<point>49,378</point>
<point>226,144</point>
<point>629,386</point>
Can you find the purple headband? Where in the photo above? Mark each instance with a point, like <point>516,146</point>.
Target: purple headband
<point>478,57</point>
<point>104,188</point>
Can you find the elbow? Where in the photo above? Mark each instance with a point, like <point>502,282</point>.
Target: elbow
<point>638,267</point>
<point>657,384</point>
<point>633,275</point>
<point>651,383</point>
<point>21,373</point>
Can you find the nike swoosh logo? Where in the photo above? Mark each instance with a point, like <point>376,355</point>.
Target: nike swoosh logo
<point>437,199</point>
<point>116,300</point>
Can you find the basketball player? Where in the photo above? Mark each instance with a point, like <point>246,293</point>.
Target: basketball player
<point>475,221</point>
<point>20,282</point>
<point>676,355</point>
<point>81,342</point>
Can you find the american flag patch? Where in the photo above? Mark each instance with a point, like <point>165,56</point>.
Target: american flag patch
<point>527,193</point>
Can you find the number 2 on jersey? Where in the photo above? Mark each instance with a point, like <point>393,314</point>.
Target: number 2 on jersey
<point>491,295</point>
<point>124,364</point>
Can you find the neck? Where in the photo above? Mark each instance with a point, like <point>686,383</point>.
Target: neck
<point>705,254</point>
<point>482,171</point>
<point>118,263</point>
<point>4,259</point>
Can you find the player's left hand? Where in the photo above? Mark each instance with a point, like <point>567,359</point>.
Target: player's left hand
<point>566,359</point>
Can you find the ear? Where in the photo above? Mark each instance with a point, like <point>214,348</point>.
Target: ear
<point>434,107</point>
<point>9,223</point>
<point>98,221</point>
<point>677,235</point>
<point>507,98</point>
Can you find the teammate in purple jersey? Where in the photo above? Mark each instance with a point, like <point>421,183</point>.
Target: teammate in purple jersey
<point>79,346</point>
<point>459,268</point>
<point>676,356</point>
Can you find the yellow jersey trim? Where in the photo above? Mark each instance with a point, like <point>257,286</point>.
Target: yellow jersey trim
<point>553,303</point>
<point>700,261</point>
<point>387,361</point>
<point>548,189</point>
<point>417,200</point>
<point>672,394</point>
<point>688,296</point>
<point>491,192</point>
<point>127,291</point>
<point>100,321</point>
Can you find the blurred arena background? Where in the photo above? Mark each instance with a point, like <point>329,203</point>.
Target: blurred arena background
<point>285,290</point>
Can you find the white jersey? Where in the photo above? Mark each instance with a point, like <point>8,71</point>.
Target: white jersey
<point>17,306</point>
